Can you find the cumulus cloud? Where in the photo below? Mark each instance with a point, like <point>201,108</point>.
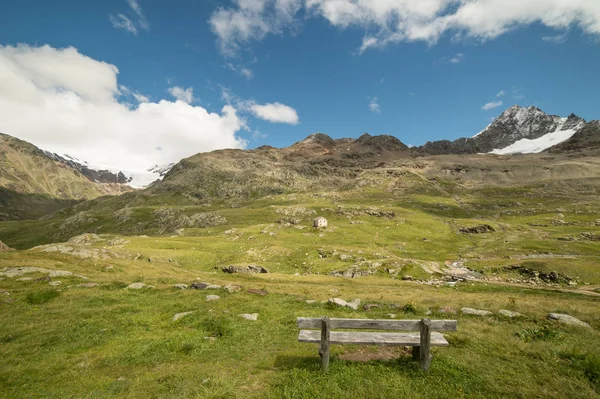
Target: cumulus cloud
<point>491,105</point>
<point>374,105</point>
<point>181,94</point>
<point>66,102</point>
<point>391,21</point>
<point>275,112</point>
<point>123,22</point>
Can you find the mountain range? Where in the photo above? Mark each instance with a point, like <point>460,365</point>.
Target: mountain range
<point>34,182</point>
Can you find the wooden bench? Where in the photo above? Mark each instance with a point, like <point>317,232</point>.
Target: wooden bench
<point>421,342</point>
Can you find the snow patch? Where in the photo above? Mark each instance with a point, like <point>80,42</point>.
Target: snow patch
<point>527,146</point>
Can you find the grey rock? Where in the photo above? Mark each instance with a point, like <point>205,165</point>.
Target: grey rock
<point>566,319</point>
<point>353,304</point>
<point>213,287</point>
<point>476,312</point>
<point>55,283</point>
<point>249,316</point>
<point>509,313</point>
<point>181,286</point>
<point>181,315</point>
<point>244,269</point>
<point>199,286</point>
<point>137,286</point>
<point>232,288</point>
<point>212,297</point>
<point>338,301</point>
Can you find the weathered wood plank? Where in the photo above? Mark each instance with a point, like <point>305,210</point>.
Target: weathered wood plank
<point>378,324</point>
<point>325,341</point>
<point>371,338</point>
<point>425,340</point>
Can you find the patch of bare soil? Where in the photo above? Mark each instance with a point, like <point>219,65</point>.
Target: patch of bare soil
<point>368,353</point>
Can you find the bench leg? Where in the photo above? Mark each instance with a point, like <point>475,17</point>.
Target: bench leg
<point>324,348</point>
<point>424,355</point>
<point>415,352</point>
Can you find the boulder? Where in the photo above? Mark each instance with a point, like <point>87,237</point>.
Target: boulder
<point>212,297</point>
<point>481,229</point>
<point>476,312</point>
<point>213,287</point>
<point>181,286</point>
<point>249,316</point>
<point>353,304</point>
<point>244,269</point>
<point>509,313</point>
<point>338,301</point>
<point>566,319</point>
<point>181,315</point>
<point>199,286</point>
<point>232,288</point>
<point>137,286</point>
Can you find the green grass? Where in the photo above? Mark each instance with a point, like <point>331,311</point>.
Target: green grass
<point>108,341</point>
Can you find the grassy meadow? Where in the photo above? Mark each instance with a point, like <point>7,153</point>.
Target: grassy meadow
<point>69,341</point>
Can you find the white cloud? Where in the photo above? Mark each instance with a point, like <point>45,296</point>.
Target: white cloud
<point>275,112</point>
<point>501,93</point>
<point>240,70</point>
<point>457,58</point>
<point>181,94</point>
<point>251,20</point>
<point>139,97</point>
<point>66,102</point>
<point>391,21</point>
<point>123,22</point>
<point>491,105</point>
<point>374,105</point>
<point>558,39</point>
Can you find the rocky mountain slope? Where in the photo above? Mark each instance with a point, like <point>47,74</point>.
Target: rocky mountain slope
<point>32,184</point>
<point>516,130</point>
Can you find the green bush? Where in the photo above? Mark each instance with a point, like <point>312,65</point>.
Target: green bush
<point>40,297</point>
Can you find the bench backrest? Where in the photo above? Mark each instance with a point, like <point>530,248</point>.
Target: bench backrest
<point>377,324</point>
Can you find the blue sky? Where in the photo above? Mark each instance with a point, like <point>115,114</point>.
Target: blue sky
<point>415,86</point>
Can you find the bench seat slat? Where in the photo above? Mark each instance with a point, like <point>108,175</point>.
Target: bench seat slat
<point>378,324</point>
<point>371,338</point>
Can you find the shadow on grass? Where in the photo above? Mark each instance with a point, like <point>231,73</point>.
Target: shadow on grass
<point>403,363</point>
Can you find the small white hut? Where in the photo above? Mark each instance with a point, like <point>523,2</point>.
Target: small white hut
<point>320,222</point>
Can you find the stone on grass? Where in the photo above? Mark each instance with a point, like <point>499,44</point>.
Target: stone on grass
<point>181,315</point>
<point>338,301</point>
<point>249,316</point>
<point>199,286</point>
<point>244,269</point>
<point>181,286</point>
<point>213,287</point>
<point>353,304</point>
<point>55,283</point>
<point>476,312</point>
<point>566,319</point>
<point>232,288</point>
<point>371,306</point>
<point>212,297</point>
<point>259,292</point>
<point>509,313</point>
<point>137,286</point>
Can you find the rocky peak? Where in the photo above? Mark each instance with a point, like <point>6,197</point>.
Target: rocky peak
<point>318,138</point>
<point>573,122</point>
<point>382,142</point>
